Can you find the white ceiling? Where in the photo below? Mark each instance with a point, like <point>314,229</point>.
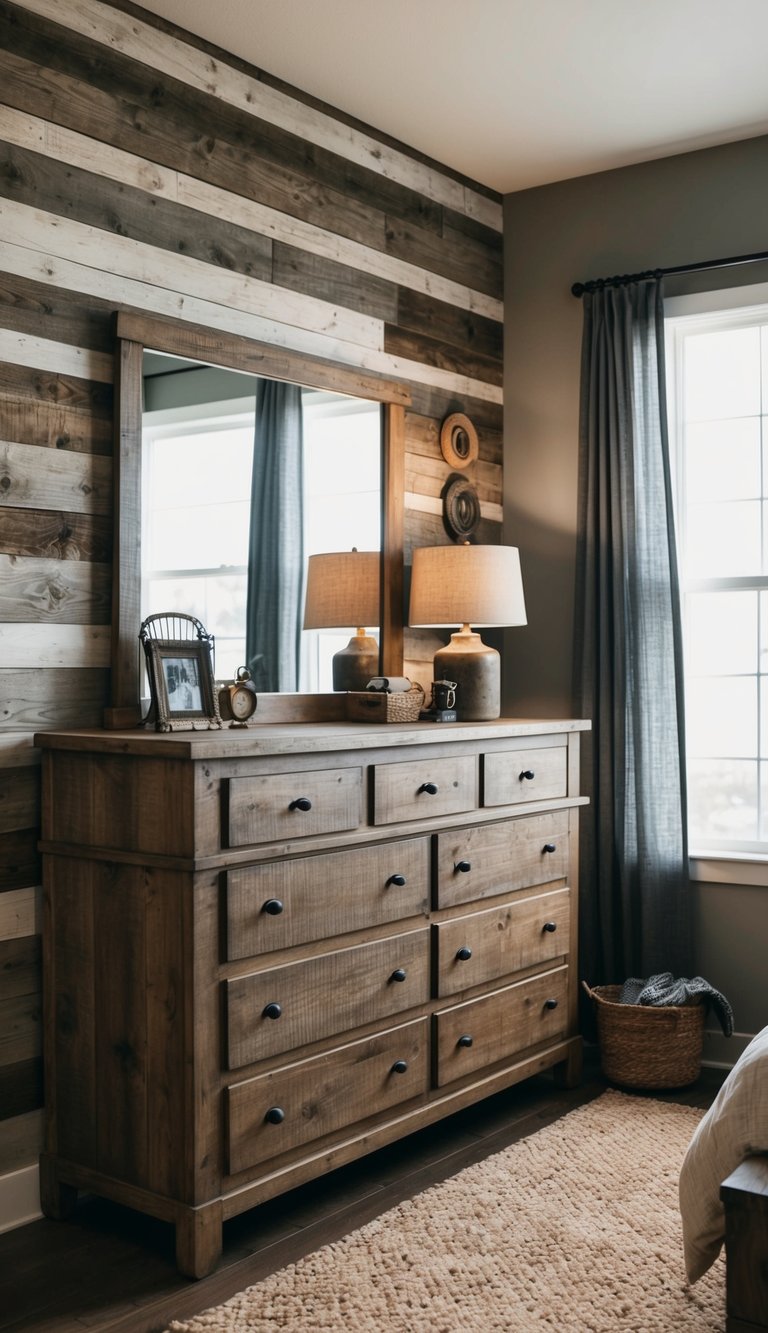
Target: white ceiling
<point>514,93</point>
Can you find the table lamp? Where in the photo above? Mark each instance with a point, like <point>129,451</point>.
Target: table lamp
<point>343,590</point>
<point>468,585</point>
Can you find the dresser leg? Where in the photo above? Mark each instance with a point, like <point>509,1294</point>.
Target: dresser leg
<point>568,1071</point>
<point>57,1200</point>
<point>199,1240</point>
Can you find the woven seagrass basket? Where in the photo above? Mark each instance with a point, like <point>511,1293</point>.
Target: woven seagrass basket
<point>645,1045</point>
<point>372,706</point>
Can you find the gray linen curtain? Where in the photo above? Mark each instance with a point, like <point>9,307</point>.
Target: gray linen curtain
<point>635,917</point>
<point>276,542</point>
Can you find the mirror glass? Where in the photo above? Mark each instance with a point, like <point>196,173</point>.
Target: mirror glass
<point>238,472</point>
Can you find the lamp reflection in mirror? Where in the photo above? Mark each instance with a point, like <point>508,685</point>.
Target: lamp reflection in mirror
<point>343,590</point>
<point>468,585</point>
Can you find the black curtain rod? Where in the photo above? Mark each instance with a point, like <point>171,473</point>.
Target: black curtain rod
<point>597,284</point>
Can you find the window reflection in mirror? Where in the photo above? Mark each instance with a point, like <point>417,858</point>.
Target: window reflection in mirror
<point>197,454</point>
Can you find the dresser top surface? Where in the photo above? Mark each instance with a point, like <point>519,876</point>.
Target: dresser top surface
<point>296,738</point>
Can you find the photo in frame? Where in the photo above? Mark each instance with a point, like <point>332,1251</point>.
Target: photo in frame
<point>181,684</point>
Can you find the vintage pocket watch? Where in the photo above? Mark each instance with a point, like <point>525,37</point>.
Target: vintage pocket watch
<point>237,701</point>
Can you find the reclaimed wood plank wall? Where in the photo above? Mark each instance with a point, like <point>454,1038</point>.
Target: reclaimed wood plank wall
<point>142,170</point>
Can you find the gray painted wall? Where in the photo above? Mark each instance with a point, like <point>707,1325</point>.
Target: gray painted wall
<point>678,210</point>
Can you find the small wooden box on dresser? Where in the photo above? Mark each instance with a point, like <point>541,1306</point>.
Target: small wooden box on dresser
<point>270,951</point>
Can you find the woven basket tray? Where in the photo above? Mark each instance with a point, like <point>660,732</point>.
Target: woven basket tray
<point>372,706</point>
<point>645,1045</point>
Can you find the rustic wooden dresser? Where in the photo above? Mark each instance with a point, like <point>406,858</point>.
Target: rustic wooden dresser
<point>269,951</point>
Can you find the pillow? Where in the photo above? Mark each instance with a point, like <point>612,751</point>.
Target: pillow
<point>735,1126</point>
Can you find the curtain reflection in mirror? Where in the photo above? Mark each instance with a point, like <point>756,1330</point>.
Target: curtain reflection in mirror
<point>276,541</point>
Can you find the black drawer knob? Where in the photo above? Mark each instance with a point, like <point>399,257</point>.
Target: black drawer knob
<point>272,1010</point>
<point>399,1067</point>
<point>464,953</point>
<point>399,974</point>
<point>549,847</point>
<point>397,880</point>
<point>550,927</point>
<point>429,787</point>
<point>550,1004</point>
<point>464,1040</point>
<point>462,867</point>
<point>527,774</point>
<point>275,1115</point>
<point>301,803</point>
<point>273,907</point>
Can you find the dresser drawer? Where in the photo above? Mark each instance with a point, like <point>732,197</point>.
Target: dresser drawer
<point>497,1026</point>
<point>285,1007</point>
<point>275,1112</point>
<point>513,776</point>
<point>502,940</point>
<point>479,862</point>
<point>424,788</point>
<point>282,903</point>
<point>294,805</point>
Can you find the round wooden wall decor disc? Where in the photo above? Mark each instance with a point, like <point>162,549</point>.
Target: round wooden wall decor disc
<point>461,509</point>
<point>458,440</point>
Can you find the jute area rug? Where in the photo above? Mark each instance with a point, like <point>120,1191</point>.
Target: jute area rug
<point>574,1228</point>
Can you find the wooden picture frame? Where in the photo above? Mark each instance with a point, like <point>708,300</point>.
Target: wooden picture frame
<point>181,684</point>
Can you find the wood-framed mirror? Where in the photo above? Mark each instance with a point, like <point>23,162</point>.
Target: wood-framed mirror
<point>137,334</point>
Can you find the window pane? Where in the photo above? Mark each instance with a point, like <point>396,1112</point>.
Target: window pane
<point>181,470</point>
<point>721,717</point>
<point>722,801</point>
<point>722,540</point>
<point>722,374</point>
<point>722,460</point>
<point>721,635</point>
<point>198,537</point>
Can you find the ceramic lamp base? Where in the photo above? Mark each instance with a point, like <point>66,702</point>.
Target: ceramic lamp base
<point>476,668</point>
<point>356,664</point>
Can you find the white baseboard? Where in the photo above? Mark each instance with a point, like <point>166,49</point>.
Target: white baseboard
<point>19,1198</point>
<point>721,1052</point>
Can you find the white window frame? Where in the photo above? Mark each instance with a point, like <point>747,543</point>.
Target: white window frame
<point>739,307</point>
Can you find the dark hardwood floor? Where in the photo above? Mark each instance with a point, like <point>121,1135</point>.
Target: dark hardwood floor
<point>109,1268</point>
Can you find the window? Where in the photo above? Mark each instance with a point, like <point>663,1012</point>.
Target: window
<point>196,518</point>
<point>717,378</point>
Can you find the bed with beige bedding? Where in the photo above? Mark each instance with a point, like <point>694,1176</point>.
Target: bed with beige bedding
<point>724,1189</point>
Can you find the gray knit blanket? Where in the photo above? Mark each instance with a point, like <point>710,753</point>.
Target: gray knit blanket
<point>664,988</point>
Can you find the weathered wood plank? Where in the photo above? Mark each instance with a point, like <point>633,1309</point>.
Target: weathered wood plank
<point>21,381</point>
<point>20,1029</point>
<point>19,859</point>
<point>20,968</point>
<point>304,272</point>
<point>20,912</point>
<point>39,181</point>
<point>19,798</point>
<point>65,317</point>
<point>23,349</point>
<point>232,86</point>
<point>448,356</point>
<point>55,426</point>
<point>54,646</point>
<point>428,476</point>
<point>80,150</point>
<point>50,699</point>
<point>17,750</point>
<point>426,316</point>
<point>21,1088</point>
<point>21,1139</point>
<point>428,504</point>
<point>74,592</point>
<point>57,536</point>
<point>125,257</point>
<point>454,257</point>
<point>33,477</point>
